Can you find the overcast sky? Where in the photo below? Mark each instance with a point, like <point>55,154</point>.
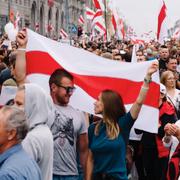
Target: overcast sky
<point>142,14</point>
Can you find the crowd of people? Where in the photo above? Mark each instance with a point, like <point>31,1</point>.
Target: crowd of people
<point>43,137</point>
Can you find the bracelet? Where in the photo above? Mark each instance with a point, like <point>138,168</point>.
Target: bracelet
<point>21,49</point>
<point>145,88</point>
<point>147,80</point>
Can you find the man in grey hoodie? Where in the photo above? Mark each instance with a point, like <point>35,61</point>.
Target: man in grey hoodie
<point>38,107</point>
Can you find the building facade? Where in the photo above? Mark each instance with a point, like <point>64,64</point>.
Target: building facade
<point>45,16</point>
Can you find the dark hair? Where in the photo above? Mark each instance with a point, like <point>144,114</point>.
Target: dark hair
<point>171,57</point>
<point>113,105</point>
<point>57,76</point>
<point>113,110</point>
<point>163,47</point>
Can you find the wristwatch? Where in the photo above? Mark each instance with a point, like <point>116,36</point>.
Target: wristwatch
<point>147,80</point>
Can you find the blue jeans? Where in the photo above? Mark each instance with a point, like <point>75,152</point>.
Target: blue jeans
<point>58,177</point>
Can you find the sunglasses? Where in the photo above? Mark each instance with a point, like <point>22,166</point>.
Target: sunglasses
<point>68,89</point>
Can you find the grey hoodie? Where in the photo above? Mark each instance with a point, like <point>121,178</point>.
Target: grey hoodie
<point>39,141</point>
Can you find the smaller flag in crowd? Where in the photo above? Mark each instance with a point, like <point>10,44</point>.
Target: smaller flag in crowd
<point>81,20</point>
<point>89,13</point>
<point>98,22</point>
<point>99,4</point>
<point>63,34</point>
<point>162,28</point>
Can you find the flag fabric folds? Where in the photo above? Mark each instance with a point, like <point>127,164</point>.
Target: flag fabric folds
<point>99,4</point>
<point>162,26</point>
<point>63,34</point>
<point>92,74</point>
<point>98,22</point>
<point>81,20</point>
<point>89,13</point>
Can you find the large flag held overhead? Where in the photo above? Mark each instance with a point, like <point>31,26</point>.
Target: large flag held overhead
<point>92,74</point>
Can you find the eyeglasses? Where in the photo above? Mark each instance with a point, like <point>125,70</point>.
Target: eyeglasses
<point>68,89</point>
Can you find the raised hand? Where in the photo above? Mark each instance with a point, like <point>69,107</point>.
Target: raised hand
<point>21,38</point>
<point>153,68</point>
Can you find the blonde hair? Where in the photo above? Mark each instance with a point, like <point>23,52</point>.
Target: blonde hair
<point>112,129</point>
<point>165,75</point>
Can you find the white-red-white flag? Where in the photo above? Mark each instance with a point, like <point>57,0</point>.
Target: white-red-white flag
<point>89,13</point>
<point>99,4</point>
<point>81,20</point>
<point>100,27</point>
<point>118,24</point>
<point>63,34</point>
<point>92,74</point>
<point>98,22</point>
<point>162,24</point>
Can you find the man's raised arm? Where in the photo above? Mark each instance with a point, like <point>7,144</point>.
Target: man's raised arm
<point>20,66</point>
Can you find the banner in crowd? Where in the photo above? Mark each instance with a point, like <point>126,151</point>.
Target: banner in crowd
<point>92,74</point>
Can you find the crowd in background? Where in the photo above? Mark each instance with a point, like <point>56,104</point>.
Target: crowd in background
<point>150,156</point>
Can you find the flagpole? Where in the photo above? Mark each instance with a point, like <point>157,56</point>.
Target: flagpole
<point>105,16</point>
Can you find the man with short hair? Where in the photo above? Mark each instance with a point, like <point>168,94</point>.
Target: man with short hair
<point>14,162</point>
<point>171,65</point>
<point>69,128</point>
<point>163,57</point>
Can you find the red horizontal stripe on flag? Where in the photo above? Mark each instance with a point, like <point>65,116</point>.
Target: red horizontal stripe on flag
<point>43,63</point>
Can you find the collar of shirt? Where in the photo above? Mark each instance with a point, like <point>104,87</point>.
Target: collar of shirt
<point>5,155</point>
